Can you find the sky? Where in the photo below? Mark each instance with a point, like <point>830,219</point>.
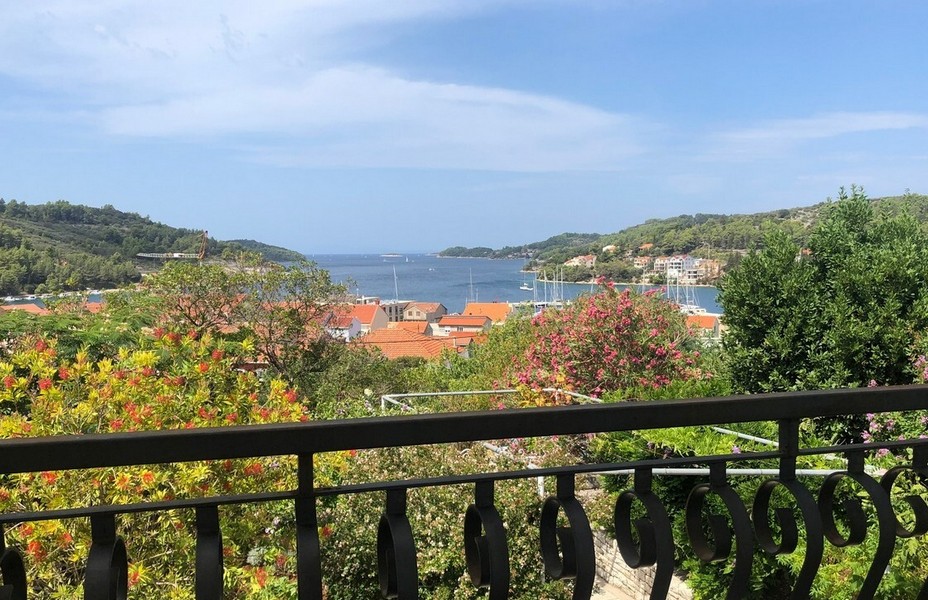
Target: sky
<point>341,126</point>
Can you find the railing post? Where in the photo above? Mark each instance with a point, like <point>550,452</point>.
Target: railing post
<point>209,554</point>
<point>654,544</point>
<point>568,552</point>
<point>787,523</point>
<point>107,563</point>
<point>485,548</point>
<point>397,570</point>
<point>308,554</point>
<point>857,519</point>
<point>720,546</point>
<point>13,570</point>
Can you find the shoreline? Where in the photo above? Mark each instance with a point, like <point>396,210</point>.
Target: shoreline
<point>623,283</point>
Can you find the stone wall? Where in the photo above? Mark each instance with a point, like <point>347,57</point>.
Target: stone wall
<point>634,583</point>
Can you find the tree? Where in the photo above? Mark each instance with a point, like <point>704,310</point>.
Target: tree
<point>281,308</point>
<point>610,341</point>
<point>851,309</point>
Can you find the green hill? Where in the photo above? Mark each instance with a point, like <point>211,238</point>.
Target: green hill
<point>722,237</point>
<point>60,246</point>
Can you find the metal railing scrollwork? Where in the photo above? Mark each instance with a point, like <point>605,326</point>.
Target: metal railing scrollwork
<point>785,515</point>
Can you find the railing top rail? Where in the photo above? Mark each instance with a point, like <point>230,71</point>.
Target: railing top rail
<point>150,447</point>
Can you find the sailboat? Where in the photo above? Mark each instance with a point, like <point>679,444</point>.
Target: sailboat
<point>683,294</point>
<point>525,286</point>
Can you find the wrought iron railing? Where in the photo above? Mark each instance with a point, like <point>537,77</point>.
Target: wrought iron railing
<point>566,550</point>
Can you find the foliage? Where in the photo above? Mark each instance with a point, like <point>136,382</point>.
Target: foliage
<point>349,526</point>
<point>850,312</point>
<point>170,381</point>
<point>610,341</point>
<point>283,309</point>
<point>60,246</point>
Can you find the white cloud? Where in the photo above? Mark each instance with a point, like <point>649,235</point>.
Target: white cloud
<point>776,137</point>
<point>280,74</point>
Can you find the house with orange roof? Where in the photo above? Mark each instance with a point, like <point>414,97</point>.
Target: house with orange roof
<point>470,323</point>
<point>424,311</point>
<point>371,316</point>
<point>586,260</point>
<point>414,326</point>
<point>32,309</point>
<point>497,312</point>
<point>342,327</point>
<point>399,343</point>
<point>708,326</point>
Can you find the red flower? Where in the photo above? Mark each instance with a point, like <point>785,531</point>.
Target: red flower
<point>41,346</point>
<point>290,395</point>
<point>66,538</point>
<point>192,334</point>
<point>63,373</point>
<point>261,576</point>
<point>254,469</point>
<point>9,381</point>
<point>173,337</point>
<point>148,371</point>
<point>49,477</point>
<point>158,333</point>
<point>217,354</point>
<point>116,424</point>
<point>203,367</point>
<point>45,383</point>
<point>326,531</point>
<point>36,550</point>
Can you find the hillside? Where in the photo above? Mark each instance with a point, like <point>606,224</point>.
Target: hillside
<point>60,246</point>
<point>722,237</point>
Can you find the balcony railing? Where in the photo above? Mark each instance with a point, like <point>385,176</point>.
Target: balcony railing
<point>566,540</point>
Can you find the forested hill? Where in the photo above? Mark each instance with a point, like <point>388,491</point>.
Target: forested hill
<point>60,246</point>
<point>722,235</point>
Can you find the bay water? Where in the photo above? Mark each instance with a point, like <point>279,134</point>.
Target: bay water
<point>452,281</point>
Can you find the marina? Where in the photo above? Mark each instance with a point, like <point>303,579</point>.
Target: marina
<point>455,281</point>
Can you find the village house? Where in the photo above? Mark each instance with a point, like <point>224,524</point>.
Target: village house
<point>642,262</point>
<point>708,326</point>
<point>371,316</point>
<point>587,260</point>
<point>414,326</point>
<point>424,311</point>
<point>468,323</point>
<point>497,312</point>
<point>399,343</point>
<point>342,327</point>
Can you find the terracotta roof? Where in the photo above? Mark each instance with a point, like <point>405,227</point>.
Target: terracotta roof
<point>496,311</point>
<point>33,309</point>
<point>396,343</point>
<point>478,337</point>
<point>426,307</point>
<point>93,307</point>
<point>702,321</point>
<point>464,321</point>
<point>414,326</point>
<point>364,312</point>
<point>341,321</point>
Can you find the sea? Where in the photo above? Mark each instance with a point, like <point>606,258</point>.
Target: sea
<point>454,281</point>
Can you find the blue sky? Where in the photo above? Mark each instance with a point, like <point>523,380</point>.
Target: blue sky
<point>413,125</point>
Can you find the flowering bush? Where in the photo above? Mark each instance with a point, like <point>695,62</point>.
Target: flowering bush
<point>173,380</point>
<point>610,341</point>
